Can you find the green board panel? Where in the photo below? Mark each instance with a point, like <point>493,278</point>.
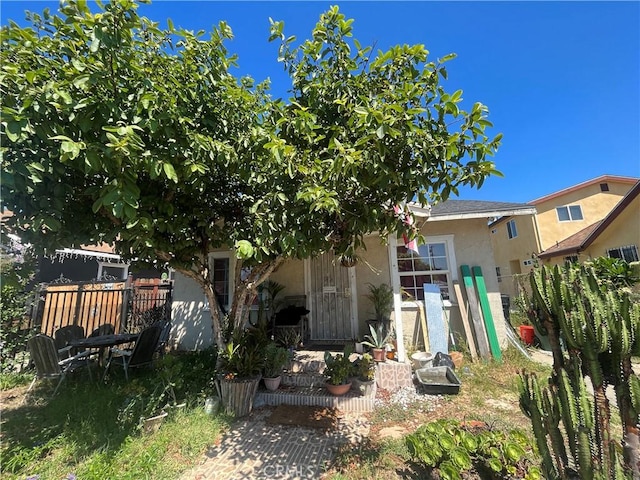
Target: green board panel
<point>476,315</point>
<point>486,312</point>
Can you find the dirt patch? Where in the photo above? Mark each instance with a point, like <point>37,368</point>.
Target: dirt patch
<point>12,398</point>
<point>305,416</point>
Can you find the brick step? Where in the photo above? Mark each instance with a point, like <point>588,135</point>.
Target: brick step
<point>302,379</point>
<point>317,395</point>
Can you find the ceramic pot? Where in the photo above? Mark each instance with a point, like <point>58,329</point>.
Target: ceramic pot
<point>272,384</point>
<point>338,390</point>
<point>152,424</point>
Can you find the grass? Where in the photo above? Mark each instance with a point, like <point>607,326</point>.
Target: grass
<point>82,430</point>
<point>489,394</point>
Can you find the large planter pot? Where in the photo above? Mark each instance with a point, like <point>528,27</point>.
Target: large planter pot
<point>237,394</point>
<point>527,334</point>
<point>338,390</point>
<point>378,354</point>
<point>272,384</point>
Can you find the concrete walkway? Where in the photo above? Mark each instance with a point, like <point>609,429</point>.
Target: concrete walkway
<point>253,449</point>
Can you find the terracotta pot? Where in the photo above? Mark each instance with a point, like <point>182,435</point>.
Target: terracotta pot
<point>272,384</point>
<point>457,358</point>
<point>378,354</point>
<point>338,390</point>
<point>527,334</point>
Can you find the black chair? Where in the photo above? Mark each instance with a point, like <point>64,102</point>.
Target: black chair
<point>63,336</point>
<point>140,356</point>
<point>44,355</point>
<point>104,329</point>
<point>163,340</point>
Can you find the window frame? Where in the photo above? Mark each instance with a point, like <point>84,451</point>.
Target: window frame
<point>222,255</point>
<point>621,250</point>
<point>570,216</point>
<point>123,266</point>
<point>450,273</point>
<point>512,230</point>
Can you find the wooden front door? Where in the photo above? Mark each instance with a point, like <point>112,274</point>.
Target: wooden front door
<point>331,316</point>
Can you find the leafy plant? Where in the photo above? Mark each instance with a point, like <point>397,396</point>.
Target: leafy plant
<point>275,359</point>
<point>244,355</point>
<point>144,120</point>
<point>455,449</point>
<point>338,368</point>
<point>381,297</point>
<point>365,368</point>
<point>289,338</point>
<point>376,339</point>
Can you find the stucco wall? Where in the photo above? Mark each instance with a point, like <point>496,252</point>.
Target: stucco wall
<point>190,316</point>
<point>595,206</point>
<point>472,246</point>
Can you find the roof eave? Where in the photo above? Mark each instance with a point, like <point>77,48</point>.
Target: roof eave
<point>488,214</point>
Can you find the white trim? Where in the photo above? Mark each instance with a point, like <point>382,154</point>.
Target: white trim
<point>232,269</point>
<point>397,296</point>
<point>354,301</point>
<point>87,253</point>
<point>494,213</point>
<point>124,266</point>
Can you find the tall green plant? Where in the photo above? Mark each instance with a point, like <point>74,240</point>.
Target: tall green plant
<point>600,328</point>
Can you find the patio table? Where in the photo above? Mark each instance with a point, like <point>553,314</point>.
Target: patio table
<point>104,341</point>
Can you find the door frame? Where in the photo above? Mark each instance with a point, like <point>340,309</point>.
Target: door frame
<point>352,292</point>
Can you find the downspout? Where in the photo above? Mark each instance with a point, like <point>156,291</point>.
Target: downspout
<point>397,296</point>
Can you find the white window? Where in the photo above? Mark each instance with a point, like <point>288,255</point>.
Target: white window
<point>220,273</point>
<point>628,253</point>
<point>512,231</point>
<point>112,271</point>
<point>432,264</point>
<point>569,213</point>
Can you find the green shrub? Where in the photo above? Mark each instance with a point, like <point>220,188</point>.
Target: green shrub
<point>454,449</point>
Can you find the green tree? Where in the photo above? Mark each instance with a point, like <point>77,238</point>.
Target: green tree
<point>118,131</point>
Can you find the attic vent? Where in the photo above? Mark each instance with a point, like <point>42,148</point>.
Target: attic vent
<point>604,187</point>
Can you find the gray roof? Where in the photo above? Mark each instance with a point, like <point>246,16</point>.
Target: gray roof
<point>476,207</point>
<point>469,209</point>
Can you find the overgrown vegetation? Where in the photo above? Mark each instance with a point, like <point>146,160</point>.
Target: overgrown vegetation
<point>85,430</point>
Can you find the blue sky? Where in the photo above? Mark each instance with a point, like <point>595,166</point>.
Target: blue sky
<point>561,79</point>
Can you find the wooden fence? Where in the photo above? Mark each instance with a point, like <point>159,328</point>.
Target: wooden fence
<point>93,304</point>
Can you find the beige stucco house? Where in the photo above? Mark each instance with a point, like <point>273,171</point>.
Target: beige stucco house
<point>518,241</point>
<point>616,235</point>
<point>456,234</point>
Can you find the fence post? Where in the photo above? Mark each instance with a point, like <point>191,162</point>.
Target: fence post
<point>125,310</point>
<point>79,300</point>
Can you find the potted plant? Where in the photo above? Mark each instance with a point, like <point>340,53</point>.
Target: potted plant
<point>377,342</point>
<point>337,372</point>
<point>365,369</point>
<point>381,297</point>
<point>239,369</point>
<point>274,361</point>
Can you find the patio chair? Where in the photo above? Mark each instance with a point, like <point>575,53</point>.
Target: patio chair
<point>104,329</point>
<point>142,353</point>
<point>44,355</point>
<point>63,336</point>
<point>163,340</point>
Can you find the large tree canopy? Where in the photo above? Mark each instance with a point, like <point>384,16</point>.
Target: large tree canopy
<point>115,130</point>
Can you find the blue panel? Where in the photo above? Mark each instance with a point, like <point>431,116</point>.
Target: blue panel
<point>438,335</point>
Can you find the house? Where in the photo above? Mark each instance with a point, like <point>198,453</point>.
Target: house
<point>617,235</point>
<point>518,241</point>
<point>456,234</point>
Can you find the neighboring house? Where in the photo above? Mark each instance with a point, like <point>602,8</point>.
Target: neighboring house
<point>617,235</point>
<point>456,234</point>
<point>86,263</point>
<point>518,241</point>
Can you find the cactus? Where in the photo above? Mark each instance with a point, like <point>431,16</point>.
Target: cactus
<point>600,328</point>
